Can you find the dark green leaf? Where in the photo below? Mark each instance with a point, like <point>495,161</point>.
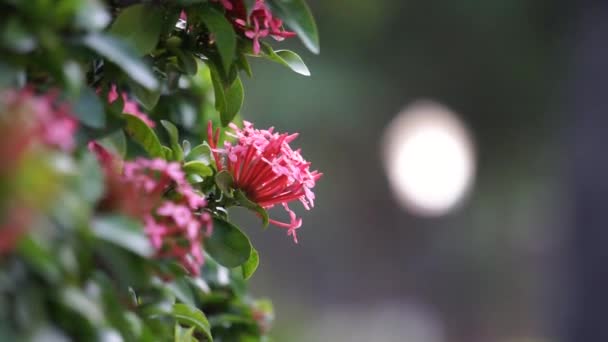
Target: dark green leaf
<point>298,17</point>
<point>178,152</point>
<point>121,54</point>
<point>228,245</point>
<point>251,265</point>
<point>198,168</point>
<point>192,317</point>
<point>187,62</point>
<point>234,101</point>
<point>89,109</point>
<point>223,32</point>
<point>139,25</point>
<point>122,232</point>
<point>144,136</point>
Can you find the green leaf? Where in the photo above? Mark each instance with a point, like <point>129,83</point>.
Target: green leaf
<point>183,335</point>
<point>187,62</point>
<point>115,143</point>
<point>293,61</point>
<point>287,58</point>
<point>121,54</point>
<point>123,232</point>
<point>89,109</point>
<point>147,97</point>
<point>228,245</point>
<point>200,153</point>
<point>140,26</point>
<point>178,152</point>
<point>180,288</point>
<point>192,317</point>
<point>40,257</point>
<point>234,96</point>
<point>223,32</point>
<point>247,203</point>
<point>144,136</point>
<point>251,265</point>
<point>198,168</point>
<point>90,184</point>
<point>225,182</point>
<point>297,15</point>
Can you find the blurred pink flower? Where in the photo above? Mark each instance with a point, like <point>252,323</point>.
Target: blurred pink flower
<point>267,169</point>
<point>175,225</point>
<point>130,106</point>
<point>44,117</point>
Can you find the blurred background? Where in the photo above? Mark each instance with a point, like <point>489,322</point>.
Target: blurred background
<point>439,127</point>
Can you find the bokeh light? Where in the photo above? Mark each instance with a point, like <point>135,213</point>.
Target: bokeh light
<point>429,158</point>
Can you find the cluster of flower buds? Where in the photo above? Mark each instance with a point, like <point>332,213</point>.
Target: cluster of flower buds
<point>266,169</point>
<point>156,192</point>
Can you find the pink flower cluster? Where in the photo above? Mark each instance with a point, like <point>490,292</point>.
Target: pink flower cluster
<point>43,117</point>
<point>176,223</point>
<point>130,106</point>
<point>260,23</point>
<point>267,169</point>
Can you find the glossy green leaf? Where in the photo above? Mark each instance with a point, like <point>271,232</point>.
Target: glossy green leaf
<point>89,109</point>
<point>293,61</point>
<point>121,54</point>
<point>223,32</point>
<point>123,232</point>
<point>200,153</point>
<point>192,317</point>
<point>144,136</point>
<point>251,265</point>
<point>228,245</point>
<point>139,25</point>
<point>178,152</point>
<point>297,15</point>
<point>198,168</point>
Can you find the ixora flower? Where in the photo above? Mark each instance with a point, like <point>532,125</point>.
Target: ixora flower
<point>266,169</point>
<point>41,118</point>
<point>156,192</point>
<point>130,107</point>
<point>258,25</point>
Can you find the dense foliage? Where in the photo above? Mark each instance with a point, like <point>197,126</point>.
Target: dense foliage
<point>120,161</point>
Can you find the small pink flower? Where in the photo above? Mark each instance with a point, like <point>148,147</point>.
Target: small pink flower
<point>259,24</point>
<point>267,169</point>
<point>48,120</point>
<point>130,106</point>
<point>175,224</point>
